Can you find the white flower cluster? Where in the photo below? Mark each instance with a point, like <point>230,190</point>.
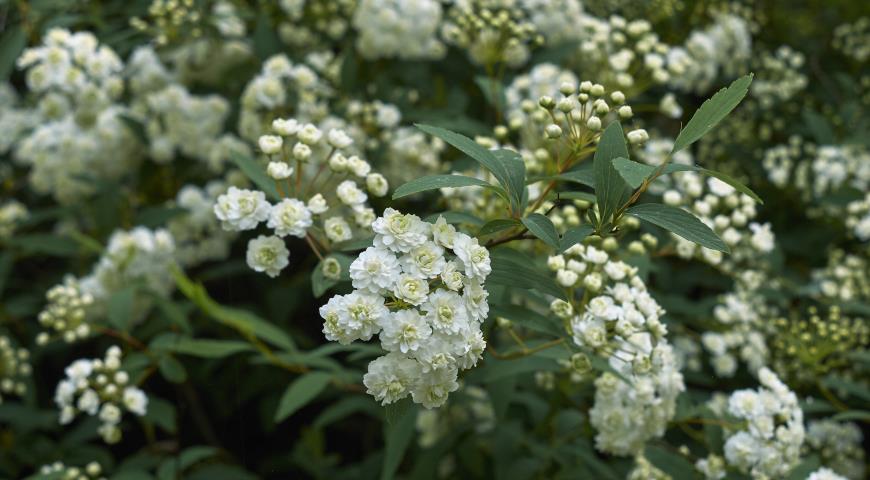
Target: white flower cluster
<point>627,54</point>
<point>721,49</point>
<point>282,88</point>
<point>66,315</point>
<point>778,76</point>
<point>411,154</point>
<point>853,39</point>
<point>713,467</point>
<point>618,320</point>
<point>15,120</point>
<point>837,166</point>
<point>141,257</point>
<point>15,368</point>
<point>241,209</point>
<point>12,213</point>
<point>840,445</point>
<point>825,474</point>
<point>197,232</point>
<point>494,32</point>
<point>309,24</point>
<point>845,278</point>
<point>398,28</point>
<point>787,165</point>
<point>176,121</point>
<point>425,307</point>
<point>857,220</point>
<point>60,471</point>
<point>770,446</point>
<point>627,415</point>
<point>740,314</point>
<point>99,387</point>
<point>557,20</point>
<point>75,64</point>
<point>525,89</point>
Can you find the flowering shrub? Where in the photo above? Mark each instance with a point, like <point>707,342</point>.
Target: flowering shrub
<point>420,239</point>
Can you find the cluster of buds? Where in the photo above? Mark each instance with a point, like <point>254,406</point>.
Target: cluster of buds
<point>91,471</point>
<point>170,20</point>
<point>14,368</point>
<point>66,314</point>
<point>493,31</point>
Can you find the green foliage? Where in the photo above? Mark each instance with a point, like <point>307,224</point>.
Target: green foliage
<point>712,111</point>
<point>680,222</point>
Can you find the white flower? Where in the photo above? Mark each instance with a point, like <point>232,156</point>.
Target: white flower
<point>349,194</point>
<point>567,278</point>
<point>337,229</point>
<point>825,474</point>
<point>433,388</point>
<point>364,313</point>
<point>310,134</point>
<point>411,289</point>
<point>762,237</point>
<point>317,204</point>
<point>425,261</point>
<point>290,217</point>
<point>270,144</point>
<point>443,233</point>
<point>358,166</point>
<point>404,330</point>
<point>286,127</point>
<point>89,402</point>
<point>474,257</point>
<point>110,414</point>
<point>279,170</point>
<point>376,184</point>
<point>390,378</point>
<point>375,269</point>
<point>451,276</point>
<point>476,300</point>
<point>301,151</point>
<point>399,232</point>
<point>339,138</point>
<point>241,209</point>
<point>267,254</point>
<point>446,312</point>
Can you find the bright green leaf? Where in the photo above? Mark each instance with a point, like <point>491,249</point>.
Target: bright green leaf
<point>712,112</point>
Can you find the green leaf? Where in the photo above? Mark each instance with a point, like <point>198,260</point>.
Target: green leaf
<point>320,284</point>
<point>862,415</point>
<point>572,195</point>
<point>346,407</point>
<point>632,172</point>
<point>611,190</point>
<point>11,45</point>
<point>354,244</point>
<point>505,165</point>
<point>680,222</point>
<point>493,90</point>
<point>161,413</point>
<point>433,182</point>
<point>120,307</point>
<point>157,216</point>
<point>300,392</point>
<point>498,225</point>
<point>398,432</point>
<point>522,316</point>
<point>671,463</point>
<point>514,269</point>
<point>712,112</point>
<point>574,236</point>
<point>208,348</point>
<point>454,218</point>
<point>257,174</point>
<point>241,320</point>
<point>172,369</point>
<point>819,127</point>
<point>803,470</point>
<point>733,182</point>
<point>584,175</point>
<point>543,228</point>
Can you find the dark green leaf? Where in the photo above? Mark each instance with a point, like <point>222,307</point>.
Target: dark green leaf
<point>492,90</point>
<point>712,112</point>
<point>208,348</point>
<point>574,236</point>
<point>398,432</point>
<point>543,228</point>
<point>498,225</point>
<point>300,392</point>
<point>584,175</point>
<point>433,182</point>
<point>632,172</point>
<point>671,463</point>
<point>172,369</point>
<point>514,269</point>
<point>611,190</point>
<point>11,44</point>
<point>120,307</point>
<point>680,222</point>
<point>45,244</point>
<point>454,218</point>
<point>257,174</point>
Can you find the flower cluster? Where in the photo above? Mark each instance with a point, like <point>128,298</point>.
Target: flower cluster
<point>845,278</point>
<point>425,307</point>
<point>91,471</point>
<point>770,445</point>
<point>396,28</point>
<point>779,76</point>
<point>722,49</point>
<point>99,387</point>
<point>66,315</point>
<point>740,333</point>
<point>12,213</point>
<point>308,24</point>
<point>840,445</point>
<point>312,152</point>
<point>197,233</point>
<point>494,32</point>
<point>853,39</point>
<point>857,220</point>
<point>14,368</point>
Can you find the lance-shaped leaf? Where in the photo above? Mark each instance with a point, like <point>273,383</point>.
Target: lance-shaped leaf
<point>680,222</point>
<point>433,182</point>
<point>300,392</point>
<point>543,228</point>
<point>712,112</point>
<point>610,189</point>
<point>574,236</point>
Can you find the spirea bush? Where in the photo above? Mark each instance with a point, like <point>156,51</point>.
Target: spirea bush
<point>434,239</point>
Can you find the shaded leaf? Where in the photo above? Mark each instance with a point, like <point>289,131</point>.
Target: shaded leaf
<point>300,392</point>
<point>574,236</point>
<point>543,228</point>
<point>681,223</point>
<point>433,182</point>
